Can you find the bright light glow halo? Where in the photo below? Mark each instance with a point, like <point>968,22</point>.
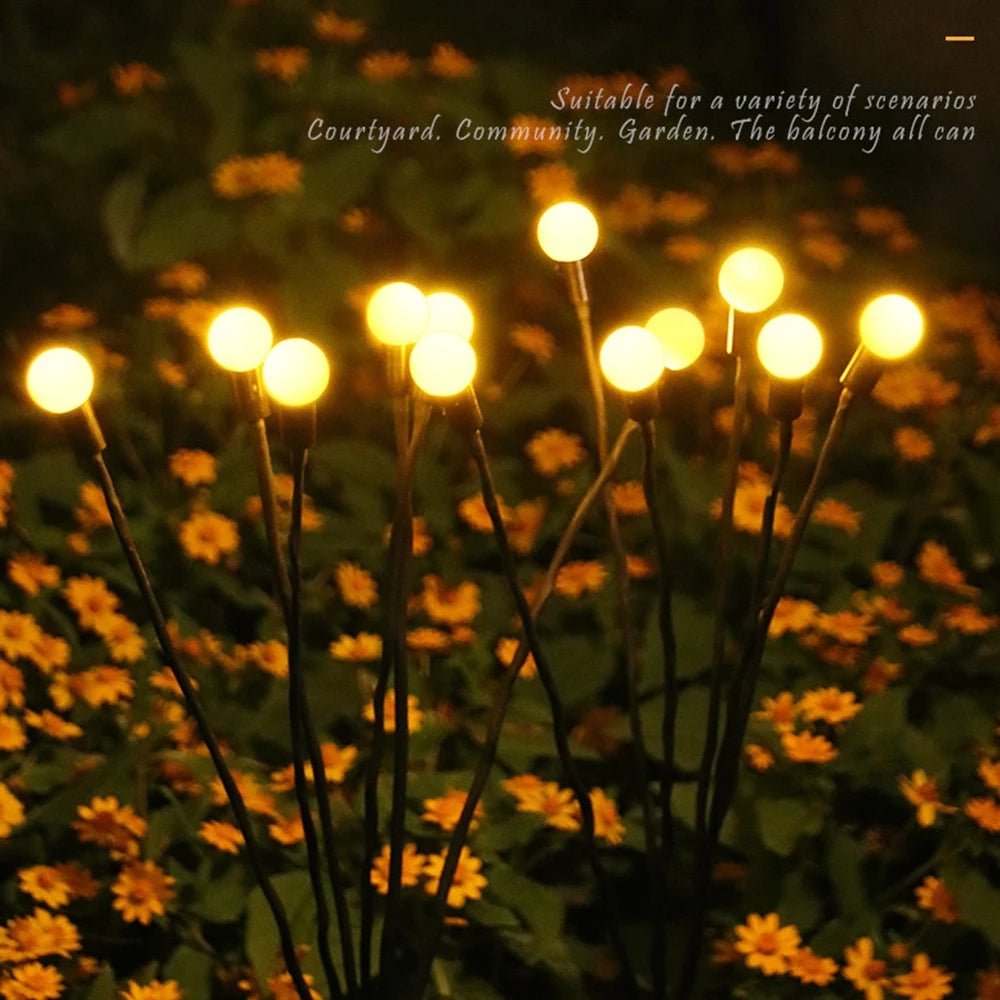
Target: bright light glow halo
<point>397,314</point>
<point>789,346</point>
<point>567,231</point>
<point>751,279</point>
<point>442,364</point>
<point>296,372</point>
<point>449,313</point>
<point>891,326</point>
<point>60,380</point>
<point>632,358</point>
<point>681,335</point>
<point>239,339</point>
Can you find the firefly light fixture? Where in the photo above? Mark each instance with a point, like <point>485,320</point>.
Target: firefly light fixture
<point>427,341</point>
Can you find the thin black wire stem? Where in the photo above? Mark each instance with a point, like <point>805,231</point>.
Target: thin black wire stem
<point>767,519</point>
<point>724,562</point>
<point>265,479</point>
<point>169,655</point>
<point>269,510</point>
<point>668,642</point>
<point>296,708</point>
<point>729,752</point>
<point>372,776</point>
<point>633,668</point>
<point>803,514</point>
<point>560,725</point>
<point>403,528</point>
<point>498,711</point>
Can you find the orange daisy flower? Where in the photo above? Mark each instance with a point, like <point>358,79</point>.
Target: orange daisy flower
<point>765,944</point>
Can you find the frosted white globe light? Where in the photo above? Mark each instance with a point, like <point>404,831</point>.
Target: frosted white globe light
<point>60,380</point>
<point>891,326</point>
<point>397,314</point>
<point>239,339</point>
<point>631,358</point>
<point>751,279</point>
<point>567,231</point>
<point>296,372</point>
<point>789,346</point>
<point>442,364</point>
<point>681,336</point>
<point>449,313</point>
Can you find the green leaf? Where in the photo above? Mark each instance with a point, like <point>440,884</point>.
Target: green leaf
<point>103,986</point>
<point>192,969</point>
<point>581,665</point>
<point>693,627</point>
<point>337,181</point>
<point>844,860</point>
<point>490,915</point>
<point>692,716</point>
<point>223,899</point>
<point>540,908</point>
<point>94,134</point>
<point>187,221</point>
<point>217,75</point>
<point>783,821</point>
<point>262,943</point>
<point>121,211</point>
<point>977,898</point>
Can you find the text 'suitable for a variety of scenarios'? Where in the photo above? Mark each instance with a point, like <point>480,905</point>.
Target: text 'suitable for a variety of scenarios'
<point>636,113</point>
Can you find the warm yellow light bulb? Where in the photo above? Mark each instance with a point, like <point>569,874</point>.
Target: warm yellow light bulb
<point>296,372</point>
<point>397,314</point>
<point>891,326</point>
<point>239,339</point>
<point>449,313</point>
<point>60,380</point>
<point>681,336</point>
<point>751,279</point>
<point>632,358</point>
<point>789,346</point>
<point>442,364</point>
<point>567,231</point>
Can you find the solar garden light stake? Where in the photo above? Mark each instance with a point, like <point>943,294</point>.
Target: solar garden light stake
<point>497,714</point>
<point>750,280</point>
<point>60,380</point>
<point>238,340</point>
<point>442,366</point>
<point>296,373</point>
<point>891,326</point>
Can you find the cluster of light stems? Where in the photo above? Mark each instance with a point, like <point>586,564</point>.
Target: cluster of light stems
<point>296,373</point>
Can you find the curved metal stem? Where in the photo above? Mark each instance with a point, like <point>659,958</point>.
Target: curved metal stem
<point>668,642</point>
<point>498,711</point>
<point>297,707</point>
<point>560,726</point>
<point>265,479</point>
<point>169,655</point>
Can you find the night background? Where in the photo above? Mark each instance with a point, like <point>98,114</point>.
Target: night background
<point>750,746</point>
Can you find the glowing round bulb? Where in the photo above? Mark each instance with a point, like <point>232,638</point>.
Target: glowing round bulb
<point>60,379</point>
<point>891,326</point>
<point>632,358</point>
<point>397,314</point>
<point>681,336</point>
<point>449,313</point>
<point>239,339</point>
<point>442,364</point>
<point>567,231</point>
<point>296,372</point>
<point>751,279</point>
<point>789,346</point>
